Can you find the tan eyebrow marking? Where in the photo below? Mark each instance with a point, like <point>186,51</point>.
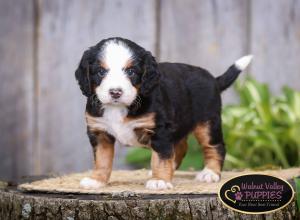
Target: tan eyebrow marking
<point>128,64</point>
<point>104,65</point>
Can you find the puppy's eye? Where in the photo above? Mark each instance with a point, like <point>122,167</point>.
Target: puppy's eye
<point>102,72</point>
<point>130,72</point>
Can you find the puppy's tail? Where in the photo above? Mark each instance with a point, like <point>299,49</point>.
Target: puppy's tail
<point>233,72</point>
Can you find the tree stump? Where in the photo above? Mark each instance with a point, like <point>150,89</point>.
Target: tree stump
<point>17,204</point>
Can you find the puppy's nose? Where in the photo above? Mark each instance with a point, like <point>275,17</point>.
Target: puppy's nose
<point>116,93</point>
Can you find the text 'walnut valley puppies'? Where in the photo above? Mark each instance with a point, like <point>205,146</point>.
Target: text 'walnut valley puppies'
<point>136,101</point>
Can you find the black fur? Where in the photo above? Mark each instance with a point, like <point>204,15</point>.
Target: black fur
<point>228,77</point>
<point>181,95</point>
<point>151,75</point>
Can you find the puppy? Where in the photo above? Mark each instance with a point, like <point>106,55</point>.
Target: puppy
<point>133,100</point>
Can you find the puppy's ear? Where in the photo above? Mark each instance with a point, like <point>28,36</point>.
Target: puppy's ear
<point>82,74</point>
<point>151,74</point>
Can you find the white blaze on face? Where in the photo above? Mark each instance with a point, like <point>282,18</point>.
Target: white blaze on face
<point>115,57</point>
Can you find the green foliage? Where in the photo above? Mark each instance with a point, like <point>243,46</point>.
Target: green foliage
<point>261,131</point>
<point>297,182</point>
<point>139,157</point>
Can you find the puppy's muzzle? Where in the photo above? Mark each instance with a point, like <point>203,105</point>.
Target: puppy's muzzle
<point>116,93</point>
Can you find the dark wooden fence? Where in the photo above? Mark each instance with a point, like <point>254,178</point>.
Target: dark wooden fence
<point>41,41</point>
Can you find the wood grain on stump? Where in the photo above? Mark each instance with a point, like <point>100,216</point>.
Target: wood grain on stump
<point>17,204</point>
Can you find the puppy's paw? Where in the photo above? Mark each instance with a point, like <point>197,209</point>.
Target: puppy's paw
<point>89,183</point>
<point>207,175</point>
<point>155,184</point>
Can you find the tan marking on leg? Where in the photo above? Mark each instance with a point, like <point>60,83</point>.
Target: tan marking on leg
<point>180,151</point>
<point>212,158</point>
<point>104,154</point>
<point>162,168</point>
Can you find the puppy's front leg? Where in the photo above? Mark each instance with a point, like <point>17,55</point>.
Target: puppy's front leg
<point>162,172</point>
<point>103,146</point>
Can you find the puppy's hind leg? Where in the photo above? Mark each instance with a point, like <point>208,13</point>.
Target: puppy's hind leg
<point>210,136</point>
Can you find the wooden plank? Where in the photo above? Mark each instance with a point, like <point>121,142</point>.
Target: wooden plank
<point>16,90</point>
<point>67,28</point>
<point>275,42</point>
<point>210,34</point>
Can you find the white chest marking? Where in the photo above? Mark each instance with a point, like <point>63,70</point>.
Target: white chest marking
<point>115,122</point>
<point>113,118</point>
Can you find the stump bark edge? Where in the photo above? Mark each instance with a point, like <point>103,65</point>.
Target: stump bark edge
<point>19,205</point>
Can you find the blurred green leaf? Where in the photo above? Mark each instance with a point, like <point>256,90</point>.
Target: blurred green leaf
<point>297,183</point>
<point>139,157</point>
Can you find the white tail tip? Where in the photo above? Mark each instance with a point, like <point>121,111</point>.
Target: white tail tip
<point>243,62</point>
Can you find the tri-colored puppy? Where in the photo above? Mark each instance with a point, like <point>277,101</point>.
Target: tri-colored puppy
<point>136,101</point>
